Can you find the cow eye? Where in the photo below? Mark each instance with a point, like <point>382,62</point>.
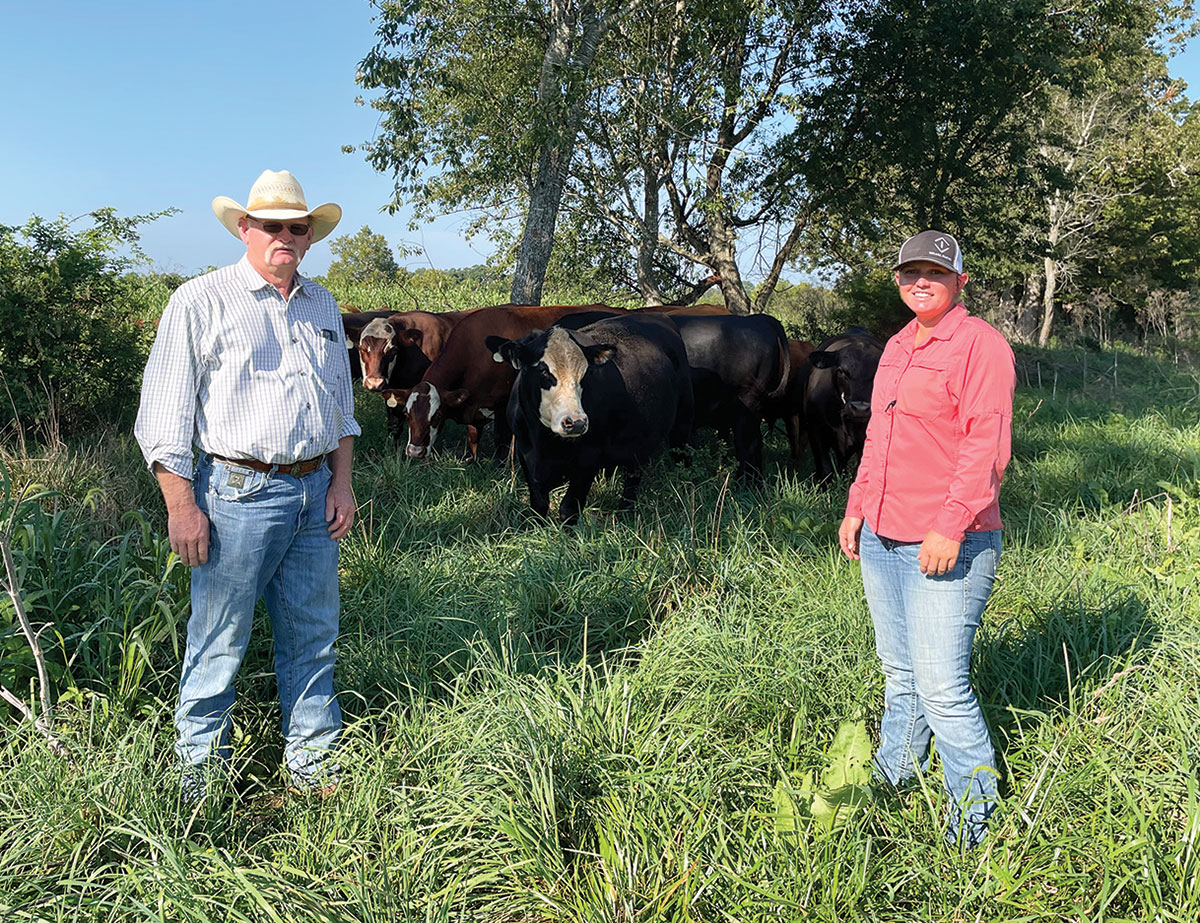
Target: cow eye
<point>547,380</point>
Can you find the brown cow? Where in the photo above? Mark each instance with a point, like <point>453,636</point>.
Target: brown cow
<point>789,406</point>
<point>353,322</point>
<point>396,350</point>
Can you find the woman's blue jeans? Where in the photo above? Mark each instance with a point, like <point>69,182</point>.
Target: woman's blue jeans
<point>924,629</point>
<point>268,539</point>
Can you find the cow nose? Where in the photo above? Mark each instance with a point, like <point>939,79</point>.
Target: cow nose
<point>860,408</point>
<point>372,384</point>
<point>575,426</point>
<point>415,451</point>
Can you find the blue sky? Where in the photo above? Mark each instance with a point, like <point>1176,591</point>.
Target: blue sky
<point>148,105</point>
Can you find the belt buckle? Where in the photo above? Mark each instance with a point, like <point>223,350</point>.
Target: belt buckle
<point>294,470</point>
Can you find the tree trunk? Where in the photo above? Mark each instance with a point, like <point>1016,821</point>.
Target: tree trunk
<point>648,235</point>
<point>724,264</point>
<point>1006,310</point>
<point>1027,309</point>
<point>1048,300</point>
<point>561,88</point>
<point>537,238</point>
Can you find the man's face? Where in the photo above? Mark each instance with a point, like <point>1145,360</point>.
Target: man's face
<point>274,246</point>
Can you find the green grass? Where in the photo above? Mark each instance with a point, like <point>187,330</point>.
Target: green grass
<point>590,724</point>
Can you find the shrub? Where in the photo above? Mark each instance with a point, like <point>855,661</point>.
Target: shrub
<point>77,325</point>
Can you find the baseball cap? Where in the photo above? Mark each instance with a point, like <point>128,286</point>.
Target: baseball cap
<point>932,247</point>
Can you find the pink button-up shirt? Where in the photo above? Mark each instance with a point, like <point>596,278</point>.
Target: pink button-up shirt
<point>940,433</point>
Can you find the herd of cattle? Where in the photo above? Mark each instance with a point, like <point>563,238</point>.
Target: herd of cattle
<point>575,389</point>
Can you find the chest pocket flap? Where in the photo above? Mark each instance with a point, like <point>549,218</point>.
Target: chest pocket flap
<point>924,390</point>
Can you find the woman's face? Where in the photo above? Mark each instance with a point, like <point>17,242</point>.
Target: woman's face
<point>928,289</point>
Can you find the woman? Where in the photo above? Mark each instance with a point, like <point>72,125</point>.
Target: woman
<point>923,516</point>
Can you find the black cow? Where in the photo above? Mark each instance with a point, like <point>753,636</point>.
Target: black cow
<point>609,395</point>
<point>837,400</point>
<point>737,365</point>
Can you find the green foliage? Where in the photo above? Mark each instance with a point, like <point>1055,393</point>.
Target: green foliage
<point>363,258</point>
<point>841,791</point>
<point>116,602</point>
<point>77,326</point>
<point>459,289</point>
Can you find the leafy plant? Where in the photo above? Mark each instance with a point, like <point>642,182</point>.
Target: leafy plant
<point>75,321</point>
<point>841,790</point>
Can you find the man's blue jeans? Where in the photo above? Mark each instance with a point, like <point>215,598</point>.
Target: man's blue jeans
<point>924,629</point>
<point>268,538</point>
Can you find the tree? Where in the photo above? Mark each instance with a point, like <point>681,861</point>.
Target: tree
<point>926,125</point>
<point>673,167</point>
<point>362,257</point>
<point>1115,135</point>
<point>482,102</point>
<point>1000,121</point>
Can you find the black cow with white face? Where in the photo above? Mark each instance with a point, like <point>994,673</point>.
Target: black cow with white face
<point>608,395</point>
<point>737,365</point>
<point>837,400</point>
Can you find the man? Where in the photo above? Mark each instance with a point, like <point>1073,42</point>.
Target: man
<point>250,367</point>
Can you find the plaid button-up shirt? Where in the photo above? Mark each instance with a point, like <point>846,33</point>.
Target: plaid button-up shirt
<point>238,371</point>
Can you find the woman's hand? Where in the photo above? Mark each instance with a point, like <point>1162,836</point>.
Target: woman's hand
<point>937,554</point>
<point>848,533</point>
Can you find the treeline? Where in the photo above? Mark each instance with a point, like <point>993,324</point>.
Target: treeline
<point>660,144</point>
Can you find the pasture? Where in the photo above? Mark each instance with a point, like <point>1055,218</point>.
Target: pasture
<point>613,722</point>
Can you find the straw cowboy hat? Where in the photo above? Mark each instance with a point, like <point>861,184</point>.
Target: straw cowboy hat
<point>276,196</point>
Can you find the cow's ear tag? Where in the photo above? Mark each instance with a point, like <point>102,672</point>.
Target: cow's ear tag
<point>237,479</point>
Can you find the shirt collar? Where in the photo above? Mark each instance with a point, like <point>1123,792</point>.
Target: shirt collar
<point>254,282</point>
<point>944,329</point>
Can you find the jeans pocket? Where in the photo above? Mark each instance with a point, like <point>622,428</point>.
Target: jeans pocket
<point>235,484</point>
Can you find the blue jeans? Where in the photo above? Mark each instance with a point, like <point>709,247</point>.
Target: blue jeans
<point>268,538</point>
<point>924,629</point>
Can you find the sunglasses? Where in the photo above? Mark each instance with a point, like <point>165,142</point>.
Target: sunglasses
<point>274,227</point>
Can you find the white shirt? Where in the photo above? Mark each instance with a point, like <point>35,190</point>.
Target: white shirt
<point>238,371</point>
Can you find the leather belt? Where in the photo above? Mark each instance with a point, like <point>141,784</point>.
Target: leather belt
<point>296,469</point>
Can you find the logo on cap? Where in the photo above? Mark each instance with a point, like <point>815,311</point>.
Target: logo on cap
<point>942,244</point>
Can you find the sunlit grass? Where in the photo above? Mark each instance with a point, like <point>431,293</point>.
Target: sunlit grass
<point>589,724</point>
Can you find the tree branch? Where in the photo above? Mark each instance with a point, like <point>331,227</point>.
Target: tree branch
<point>45,720</point>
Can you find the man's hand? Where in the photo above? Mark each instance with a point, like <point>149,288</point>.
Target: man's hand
<point>339,509</point>
<point>188,530</point>
<point>848,533</point>
<point>937,554</point>
<point>339,497</point>
<point>187,526</point>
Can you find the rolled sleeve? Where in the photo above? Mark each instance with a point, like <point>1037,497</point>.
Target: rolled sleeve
<point>165,424</point>
<point>985,447</point>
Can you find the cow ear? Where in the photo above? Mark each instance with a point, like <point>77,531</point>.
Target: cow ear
<point>822,359</point>
<point>454,398</point>
<point>409,336</point>
<point>396,397</point>
<point>503,350</point>
<point>600,353</point>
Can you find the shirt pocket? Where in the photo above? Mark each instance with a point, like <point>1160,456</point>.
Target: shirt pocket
<point>923,390</point>
<point>327,352</point>
<point>235,484</point>
<point>883,392</point>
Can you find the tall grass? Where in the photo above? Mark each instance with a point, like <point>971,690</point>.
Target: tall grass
<point>590,724</point>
